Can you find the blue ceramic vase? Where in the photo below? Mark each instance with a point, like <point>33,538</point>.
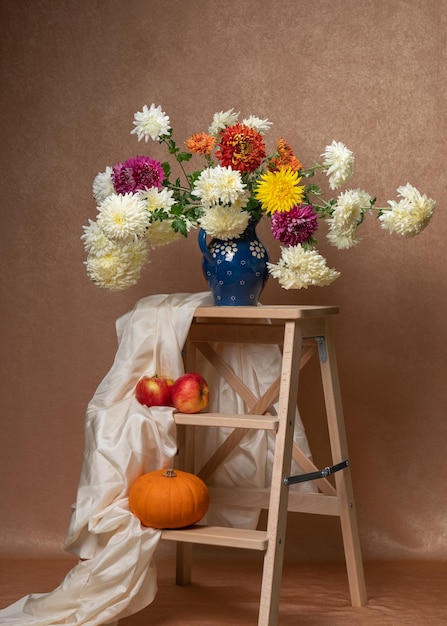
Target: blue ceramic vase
<point>235,269</point>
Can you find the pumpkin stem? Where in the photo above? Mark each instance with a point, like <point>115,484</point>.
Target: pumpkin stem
<point>170,473</point>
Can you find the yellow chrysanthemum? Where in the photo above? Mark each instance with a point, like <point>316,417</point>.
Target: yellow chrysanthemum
<point>279,191</point>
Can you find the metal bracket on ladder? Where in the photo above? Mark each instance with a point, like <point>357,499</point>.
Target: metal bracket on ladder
<point>322,353</point>
<point>324,473</point>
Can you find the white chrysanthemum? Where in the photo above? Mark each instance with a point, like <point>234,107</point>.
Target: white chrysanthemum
<point>343,241</point>
<point>228,183</point>
<point>299,268</point>
<point>346,217</point>
<point>262,126</point>
<point>224,222</point>
<point>120,268</point>
<point>241,200</point>
<point>222,120</point>
<point>95,241</point>
<point>161,233</point>
<point>123,217</point>
<point>338,163</point>
<point>411,215</point>
<point>103,185</point>
<point>218,185</point>
<point>150,122</point>
<point>205,187</point>
<point>157,198</point>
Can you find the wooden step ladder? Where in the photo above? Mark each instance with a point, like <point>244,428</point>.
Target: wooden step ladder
<point>301,331</point>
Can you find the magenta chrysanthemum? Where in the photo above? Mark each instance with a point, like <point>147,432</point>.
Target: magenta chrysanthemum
<point>295,226</point>
<point>137,174</point>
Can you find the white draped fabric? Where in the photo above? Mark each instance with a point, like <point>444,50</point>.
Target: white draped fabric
<point>116,575</point>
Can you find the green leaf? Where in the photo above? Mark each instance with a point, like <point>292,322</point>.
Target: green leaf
<point>254,207</point>
<point>183,156</point>
<point>166,136</point>
<point>172,147</point>
<point>309,173</point>
<point>166,169</point>
<point>179,226</point>
<point>314,189</point>
<point>177,209</point>
<point>193,177</point>
<point>160,215</point>
<point>194,212</point>
<point>310,244</point>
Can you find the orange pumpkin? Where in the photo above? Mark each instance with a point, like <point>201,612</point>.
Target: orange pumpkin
<point>169,499</point>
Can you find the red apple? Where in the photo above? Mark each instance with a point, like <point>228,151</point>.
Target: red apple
<point>154,391</point>
<point>190,393</point>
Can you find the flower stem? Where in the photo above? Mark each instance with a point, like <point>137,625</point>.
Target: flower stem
<point>175,150</point>
<point>310,171</point>
<point>177,187</point>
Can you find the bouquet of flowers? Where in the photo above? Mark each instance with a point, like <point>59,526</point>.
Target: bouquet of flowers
<point>140,208</point>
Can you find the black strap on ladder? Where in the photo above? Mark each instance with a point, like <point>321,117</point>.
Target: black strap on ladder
<point>324,473</point>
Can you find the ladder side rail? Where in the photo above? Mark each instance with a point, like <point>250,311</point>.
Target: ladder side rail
<point>277,514</point>
<point>185,460</point>
<point>343,480</point>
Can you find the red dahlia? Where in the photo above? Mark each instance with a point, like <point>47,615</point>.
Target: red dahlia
<point>241,148</point>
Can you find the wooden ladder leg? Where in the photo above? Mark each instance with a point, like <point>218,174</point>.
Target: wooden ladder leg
<point>183,563</point>
<point>277,514</point>
<point>183,559</point>
<point>343,481</point>
<point>185,443</point>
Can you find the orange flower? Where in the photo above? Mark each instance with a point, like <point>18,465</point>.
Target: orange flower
<point>285,158</point>
<point>200,143</point>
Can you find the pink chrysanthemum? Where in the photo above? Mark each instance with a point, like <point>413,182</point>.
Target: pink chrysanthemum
<point>137,174</point>
<point>295,226</point>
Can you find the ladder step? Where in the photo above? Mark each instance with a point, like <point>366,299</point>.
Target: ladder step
<point>230,420</point>
<point>219,536</point>
<point>317,503</point>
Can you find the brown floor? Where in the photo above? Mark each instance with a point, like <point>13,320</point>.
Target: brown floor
<point>225,591</point>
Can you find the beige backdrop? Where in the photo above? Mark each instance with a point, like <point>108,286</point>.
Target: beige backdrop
<point>370,74</point>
